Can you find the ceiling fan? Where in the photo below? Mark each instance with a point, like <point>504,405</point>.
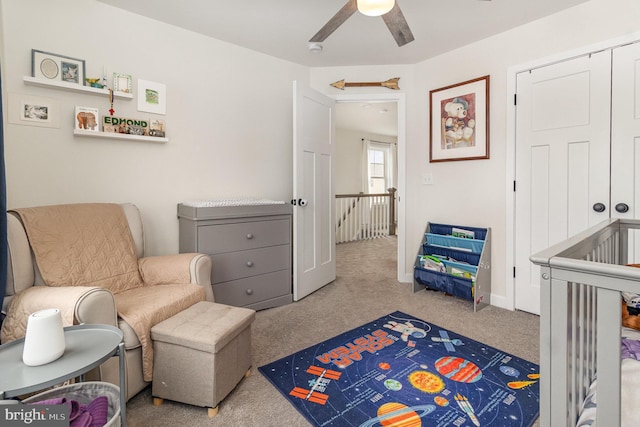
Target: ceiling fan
<point>388,9</point>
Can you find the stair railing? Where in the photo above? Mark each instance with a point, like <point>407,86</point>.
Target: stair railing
<point>365,216</point>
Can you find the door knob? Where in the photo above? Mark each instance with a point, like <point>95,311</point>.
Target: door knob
<point>599,207</point>
<point>622,207</point>
<point>302,202</point>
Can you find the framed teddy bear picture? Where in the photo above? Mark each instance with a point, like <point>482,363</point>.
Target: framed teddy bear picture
<point>459,121</point>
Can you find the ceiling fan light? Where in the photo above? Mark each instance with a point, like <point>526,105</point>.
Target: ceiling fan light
<point>315,47</point>
<point>375,7</point>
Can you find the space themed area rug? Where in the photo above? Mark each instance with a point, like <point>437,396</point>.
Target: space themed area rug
<point>401,371</point>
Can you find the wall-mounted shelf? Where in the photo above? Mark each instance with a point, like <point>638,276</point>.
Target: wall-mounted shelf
<point>32,81</point>
<point>80,132</point>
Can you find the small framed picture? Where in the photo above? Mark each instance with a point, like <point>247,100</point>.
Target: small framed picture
<point>157,128</point>
<point>51,66</point>
<point>121,83</point>
<point>28,110</point>
<point>87,118</point>
<point>152,97</point>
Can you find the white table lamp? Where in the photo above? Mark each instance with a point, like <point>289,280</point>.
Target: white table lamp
<point>44,340</point>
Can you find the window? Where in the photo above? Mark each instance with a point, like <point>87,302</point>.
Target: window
<point>379,167</point>
<point>377,170</point>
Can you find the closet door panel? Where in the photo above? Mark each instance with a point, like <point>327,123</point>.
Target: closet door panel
<point>562,160</point>
<point>625,138</point>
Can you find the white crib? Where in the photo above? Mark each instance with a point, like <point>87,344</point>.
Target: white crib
<point>581,280</point>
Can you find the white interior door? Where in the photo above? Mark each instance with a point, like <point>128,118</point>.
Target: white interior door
<point>314,263</point>
<point>625,137</point>
<point>562,160</point>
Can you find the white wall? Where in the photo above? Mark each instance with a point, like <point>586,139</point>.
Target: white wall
<point>348,163</point>
<point>229,116</point>
<point>475,192</point>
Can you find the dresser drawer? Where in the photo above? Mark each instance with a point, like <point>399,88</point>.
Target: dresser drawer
<point>236,265</point>
<point>253,289</point>
<point>215,239</point>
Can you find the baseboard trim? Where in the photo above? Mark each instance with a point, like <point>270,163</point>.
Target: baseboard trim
<point>499,301</point>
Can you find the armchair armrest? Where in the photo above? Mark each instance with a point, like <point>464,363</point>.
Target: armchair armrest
<point>175,269</point>
<point>77,304</point>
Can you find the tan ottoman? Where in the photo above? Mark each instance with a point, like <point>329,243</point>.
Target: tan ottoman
<point>201,354</point>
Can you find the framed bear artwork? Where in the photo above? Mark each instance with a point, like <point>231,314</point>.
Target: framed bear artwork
<point>459,121</point>
<point>87,119</point>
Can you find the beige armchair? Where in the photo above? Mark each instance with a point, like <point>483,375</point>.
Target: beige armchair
<point>73,257</point>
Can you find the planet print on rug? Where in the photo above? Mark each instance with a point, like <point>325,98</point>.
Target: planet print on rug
<point>426,381</point>
<point>396,414</point>
<point>458,369</point>
<point>401,371</point>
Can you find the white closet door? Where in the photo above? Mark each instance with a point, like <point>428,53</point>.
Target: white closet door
<point>562,160</point>
<point>625,137</point>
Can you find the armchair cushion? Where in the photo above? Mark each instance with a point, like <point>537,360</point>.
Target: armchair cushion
<point>72,242</point>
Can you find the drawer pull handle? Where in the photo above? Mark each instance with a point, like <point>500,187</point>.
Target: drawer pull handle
<point>249,236</point>
<point>249,263</point>
<point>249,291</point>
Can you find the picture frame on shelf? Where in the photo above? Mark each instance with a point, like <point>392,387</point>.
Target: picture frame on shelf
<point>459,121</point>
<point>122,83</point>
<point>52,66</point>
<point>152,97</point>
<point>87,119</point>
<point>29,110</point>
<point>157,128</point>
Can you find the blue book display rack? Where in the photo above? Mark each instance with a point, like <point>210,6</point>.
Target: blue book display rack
<point>457,260</point>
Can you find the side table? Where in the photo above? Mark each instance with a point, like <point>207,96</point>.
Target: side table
<point>86,347</point>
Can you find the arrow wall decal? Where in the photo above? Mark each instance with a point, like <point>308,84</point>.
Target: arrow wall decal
<point>391,84</point>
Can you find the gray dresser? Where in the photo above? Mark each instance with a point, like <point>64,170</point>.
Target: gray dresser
<point>250,248</point>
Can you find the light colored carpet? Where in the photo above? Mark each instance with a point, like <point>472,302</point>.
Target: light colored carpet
<point>365,289</point>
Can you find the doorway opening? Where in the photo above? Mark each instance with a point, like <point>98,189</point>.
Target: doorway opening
<point>370,155</point>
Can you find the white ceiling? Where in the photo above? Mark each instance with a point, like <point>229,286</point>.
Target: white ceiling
<point>380,118</point>
<point>282,28</point>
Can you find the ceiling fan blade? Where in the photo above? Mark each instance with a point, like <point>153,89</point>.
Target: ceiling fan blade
<point>337,20</point>
<point>398,26</point>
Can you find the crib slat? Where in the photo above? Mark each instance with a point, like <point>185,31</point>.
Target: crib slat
<point>573,368</point>
<point>545,347</point>
<point>593,324</point>
<point>559,393</point>
<point>582,344</point>
<point>608,350</point>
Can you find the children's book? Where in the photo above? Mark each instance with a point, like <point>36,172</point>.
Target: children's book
<point>461,232</point>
